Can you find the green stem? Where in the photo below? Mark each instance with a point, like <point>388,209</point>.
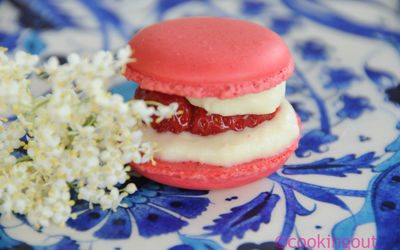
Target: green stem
<point>89,121</point>
<point>3,119</point>
<point>40,104</point>
<point>153,103</point>
<point>24,158</point>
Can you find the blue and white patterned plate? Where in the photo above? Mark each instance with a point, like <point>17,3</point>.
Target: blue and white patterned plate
<point>340,190</point>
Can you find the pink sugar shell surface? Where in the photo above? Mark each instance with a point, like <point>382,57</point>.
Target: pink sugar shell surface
<point>195,175</point>
<point>208,57</point>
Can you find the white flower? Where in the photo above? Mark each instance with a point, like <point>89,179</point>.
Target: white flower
<point>143,111</point>
<point>73,59</point>
<point>78,136</point>
<point>131,188</point>
<point>26,62</point>
<point>52,65</point>
<point>164,112</point>
<point>6,207</point>
<point>102,64</point>
<point>124,55</point>
<point>147,151</point>
<point>20,206</point>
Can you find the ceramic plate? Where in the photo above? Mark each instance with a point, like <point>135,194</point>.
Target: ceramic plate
<point>339,190</point>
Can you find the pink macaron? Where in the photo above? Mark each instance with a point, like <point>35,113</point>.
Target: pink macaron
<point>217,62</point>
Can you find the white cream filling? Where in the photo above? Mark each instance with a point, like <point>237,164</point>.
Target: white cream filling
<point>260,103</point>
<point>229,148</point>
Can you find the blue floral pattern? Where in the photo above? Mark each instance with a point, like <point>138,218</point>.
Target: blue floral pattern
<point>313,50</point>
<point>346,90</point>
<point>153,207</point>
<point>340,78</point>
<point>353,107</point>
<point>244,217</point>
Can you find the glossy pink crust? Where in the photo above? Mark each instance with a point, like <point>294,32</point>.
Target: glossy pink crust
<point>194,175</point>
<point>208,57</point>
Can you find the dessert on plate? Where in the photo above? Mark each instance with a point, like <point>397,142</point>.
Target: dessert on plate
<point>228,76</point>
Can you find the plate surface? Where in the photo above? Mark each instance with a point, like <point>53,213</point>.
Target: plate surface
<point>339,190</point>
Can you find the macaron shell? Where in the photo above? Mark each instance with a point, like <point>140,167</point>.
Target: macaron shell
<point>194,175</point>
<point>208,57</point>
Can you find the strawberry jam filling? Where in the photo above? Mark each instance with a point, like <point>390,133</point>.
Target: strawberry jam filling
<point>197,120</point>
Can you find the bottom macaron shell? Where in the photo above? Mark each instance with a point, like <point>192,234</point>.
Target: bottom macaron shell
<point>195,175</point>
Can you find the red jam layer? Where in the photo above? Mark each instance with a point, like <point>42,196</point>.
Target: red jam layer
<point>196,120</point>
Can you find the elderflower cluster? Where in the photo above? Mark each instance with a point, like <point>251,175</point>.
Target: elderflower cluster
<point>79,137</point>
<point>14,87</point>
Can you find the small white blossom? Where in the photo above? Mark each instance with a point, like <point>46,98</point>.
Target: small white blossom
<point>73,59</point>
<point>52,65</point>
<point>26,62</point>
<point>164,112</point>
<point>124,56</point>
<point>130,188</point>
<point>142,110</point>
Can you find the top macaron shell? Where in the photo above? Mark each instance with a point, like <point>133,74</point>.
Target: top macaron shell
<point>208,57</point>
